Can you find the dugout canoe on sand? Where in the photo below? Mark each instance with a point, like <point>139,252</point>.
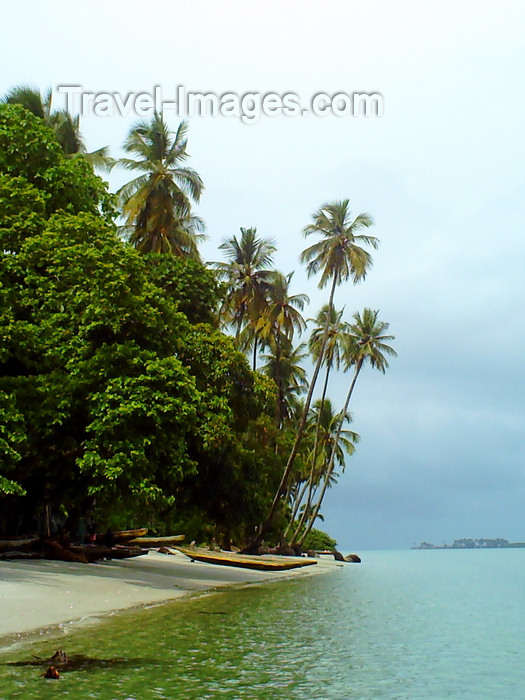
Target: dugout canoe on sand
<point>245,561</point>
<point>19,544</point>
<point>126,535</point>
<point>156,541</point>
<point>95,552</point>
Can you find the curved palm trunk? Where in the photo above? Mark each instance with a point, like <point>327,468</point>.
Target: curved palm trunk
<point>304,514</point>
<point>331,463</point>
<point>278,381</point>
<point>296,507</point>
<point>300,431</point>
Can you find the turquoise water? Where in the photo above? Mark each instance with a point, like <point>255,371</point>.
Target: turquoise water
<point>415,624</point>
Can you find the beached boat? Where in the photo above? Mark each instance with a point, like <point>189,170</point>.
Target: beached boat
<point>18,544</point>
<point>123,535</point>
<point>245,561</point>
<point>156,541</point>
<point>93,552</point>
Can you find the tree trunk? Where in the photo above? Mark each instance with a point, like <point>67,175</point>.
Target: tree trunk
<point>314,461</point>
<point>254,353</point>
<point>295,449</point>
<point>331,463</point>
<point>296,508</point>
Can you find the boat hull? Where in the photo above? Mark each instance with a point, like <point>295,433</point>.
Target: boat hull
<point>94,552</point>
<point>245,561</point>
<point>156,541</point>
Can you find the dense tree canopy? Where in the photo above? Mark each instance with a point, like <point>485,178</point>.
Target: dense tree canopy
<point>109,390</point>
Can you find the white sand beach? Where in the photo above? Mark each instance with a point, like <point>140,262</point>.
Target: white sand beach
<point>37,594</point>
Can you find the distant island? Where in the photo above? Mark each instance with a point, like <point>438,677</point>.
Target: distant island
<point>468,543</point>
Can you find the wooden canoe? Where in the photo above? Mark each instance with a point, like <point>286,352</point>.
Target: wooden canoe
<point>156,541</point>
<point>93,552</point>
<point>20,544</point>
<point>245,561</point>
<point>123,535</point>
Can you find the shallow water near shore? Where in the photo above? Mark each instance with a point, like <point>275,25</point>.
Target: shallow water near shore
<point>406,625</point>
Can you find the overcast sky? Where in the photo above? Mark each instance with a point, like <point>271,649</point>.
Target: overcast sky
<point>441,172</point>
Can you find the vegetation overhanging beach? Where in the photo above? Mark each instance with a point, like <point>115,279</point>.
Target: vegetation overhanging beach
<point>132,389</point>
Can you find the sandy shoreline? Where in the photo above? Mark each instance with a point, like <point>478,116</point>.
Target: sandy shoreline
<point>39,594</point>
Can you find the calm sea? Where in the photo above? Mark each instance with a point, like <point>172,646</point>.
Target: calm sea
<point>414,624</point>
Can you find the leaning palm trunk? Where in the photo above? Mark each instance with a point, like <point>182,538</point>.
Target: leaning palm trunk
<point>314,461</point>
<point>310,481</point>
<point>307,506</point>
<point>302,424</point>
<point>296,507</point>
<point>331,463</point>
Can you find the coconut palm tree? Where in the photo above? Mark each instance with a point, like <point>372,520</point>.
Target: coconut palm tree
<point>323,422</point>
<point>276,326</point>
<point>65,126</point>
<point>281,316</point>
<point>283,365</point>
<point>248,278</point>
<point>157,203</point>
<point>332,351</point>
<point>365,342</point>
<point>339,256</point>
<point>331,358</point>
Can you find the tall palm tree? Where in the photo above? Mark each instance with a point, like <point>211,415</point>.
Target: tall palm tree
<point>281,316</point>
<point>65,126</point>
<point>276,326</point>
<point>332,351</point>
<point>331,358</point>
<point>322,423</point>
<point>339,257</point>
<point>283,365</point>
<point>365,342</point>
<point>157,203</point>
<point>248,279</point>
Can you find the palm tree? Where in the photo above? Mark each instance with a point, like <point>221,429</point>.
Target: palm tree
<point>282,313</point>
<point>324,423</point>
<point>332,351</point>
<point>31,99</point>
<point>331,358</point>
<point>339,257</point>
<point>276,327</point>
<point>157,203</point>
<point>365,342</point>
<point>249,280</point>
<point>65,126</point>
<point>283,365</point>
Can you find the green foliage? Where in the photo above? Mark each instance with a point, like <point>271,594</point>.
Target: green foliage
<point>12,437</point>
<point>22,211</point>
<point>114,384</point>
<point>88,360</point>
<point>29,149</point>
<point>193,287</point>
<point>317,539</point>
